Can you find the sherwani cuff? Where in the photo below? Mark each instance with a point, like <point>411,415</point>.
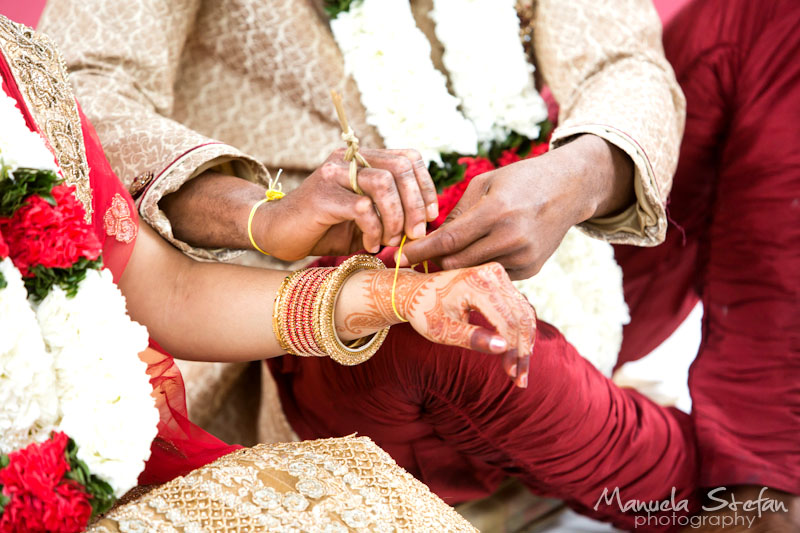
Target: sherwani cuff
<point>190,165</point>
<point>642,223</point>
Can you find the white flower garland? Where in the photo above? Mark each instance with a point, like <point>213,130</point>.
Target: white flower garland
<point>579,289</point>
<point>71,364</point>
<point>405,96</point>
<point>103,388</point>
<point>488,67</point>
<point>28,401</point>
<point>19,146</point>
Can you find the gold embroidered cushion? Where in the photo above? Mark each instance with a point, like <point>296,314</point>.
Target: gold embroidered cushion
<point>342,484</point>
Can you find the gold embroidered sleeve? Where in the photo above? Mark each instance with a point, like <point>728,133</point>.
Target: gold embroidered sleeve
<point>335,485</point>
<point>605,64</point>
<point>124,59</point>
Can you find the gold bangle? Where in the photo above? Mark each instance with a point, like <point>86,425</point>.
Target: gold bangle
<point>279,310</point>
<point>324,325</point>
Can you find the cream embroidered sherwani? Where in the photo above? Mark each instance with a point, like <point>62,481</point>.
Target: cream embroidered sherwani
<point>175,87</point>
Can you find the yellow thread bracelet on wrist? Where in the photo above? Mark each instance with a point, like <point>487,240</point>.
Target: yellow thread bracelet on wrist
<point>396,272</point>
<point>394,281</point>
<point>274,192</point>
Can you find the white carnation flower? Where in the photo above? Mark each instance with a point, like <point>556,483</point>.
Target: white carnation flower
<point>488,68</point>
<point>579,291</point>
<point>19,146</point>
<point>104,390</point>
<point>28,401</point>
<point>405,96</point>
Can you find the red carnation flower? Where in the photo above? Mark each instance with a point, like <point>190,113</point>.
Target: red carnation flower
<point>40,499</point>
<point>452,194</point>
<point>3,247</point>
<point>53,237</point>
<point>447,201</point>
<point>508,157</point>
<point>539,149</point>
<point>475,166</point>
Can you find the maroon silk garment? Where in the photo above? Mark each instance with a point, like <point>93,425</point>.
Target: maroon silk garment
<point>453,419</point>
<point>734,239</point>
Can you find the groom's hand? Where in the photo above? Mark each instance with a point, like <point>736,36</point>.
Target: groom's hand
<point>517,215</point>
<point>324,216</point>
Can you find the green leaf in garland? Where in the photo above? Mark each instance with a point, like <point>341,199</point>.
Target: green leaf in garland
<point>4,500</point>
<point>3,282</point>
<point>67,278</point>
<point>546,127</point>
<point>334,7</point>
<point>448,173</point>
<point>21,184</point>
<point>514,141</point>
<point>102,495</point>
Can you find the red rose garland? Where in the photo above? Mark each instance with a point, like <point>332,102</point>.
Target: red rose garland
<point>37,496</point>
<point>3,247</point>
<point>51,236</point>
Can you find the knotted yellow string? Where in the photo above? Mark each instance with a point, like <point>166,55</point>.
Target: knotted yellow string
<point>351,155</point>
<point>273,192</point>
<point>354,158</point>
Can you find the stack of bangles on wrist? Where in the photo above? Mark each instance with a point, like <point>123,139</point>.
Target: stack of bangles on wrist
<point>303,318</point>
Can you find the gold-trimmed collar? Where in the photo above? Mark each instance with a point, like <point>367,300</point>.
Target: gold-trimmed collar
<point>41,75</point>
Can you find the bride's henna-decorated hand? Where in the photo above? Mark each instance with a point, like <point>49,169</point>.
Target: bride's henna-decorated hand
<point>438,307</point>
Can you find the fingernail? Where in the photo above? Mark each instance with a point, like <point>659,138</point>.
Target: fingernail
<point>419,231</point>
<point>401,260</point>
<point>433,211</point>
<point>523,381</point>
<point>395,241</point>
<point>513,371</point>
<point>497,344</point>
<point>375,249</point>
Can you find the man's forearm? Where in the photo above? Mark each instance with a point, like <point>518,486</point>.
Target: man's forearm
<point>211,210</point>
<point>608,176</point>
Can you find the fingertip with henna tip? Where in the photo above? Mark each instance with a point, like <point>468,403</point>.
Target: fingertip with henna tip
<point>522,382</point>
<point>498,344</point>
<point>483,340</point>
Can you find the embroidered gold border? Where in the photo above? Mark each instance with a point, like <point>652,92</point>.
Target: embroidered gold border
<point>41,74</point>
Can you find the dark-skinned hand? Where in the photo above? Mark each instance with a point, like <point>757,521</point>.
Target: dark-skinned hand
<point>517,215</point>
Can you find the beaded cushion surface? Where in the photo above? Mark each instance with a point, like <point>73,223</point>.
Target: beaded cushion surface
<point>330,485</point>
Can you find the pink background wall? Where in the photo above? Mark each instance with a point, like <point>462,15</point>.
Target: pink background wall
<point>27,11</point>
<point>24,11</point>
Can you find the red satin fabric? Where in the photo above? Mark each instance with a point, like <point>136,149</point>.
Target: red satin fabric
<point>453,419</point>
<point>180,446</point>
<point>734,241</point>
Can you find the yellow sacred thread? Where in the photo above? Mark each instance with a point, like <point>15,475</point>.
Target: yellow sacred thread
<point>355,158</point>
<point>273,193</point>
<point>394,282</point>
<point>397,271</point>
